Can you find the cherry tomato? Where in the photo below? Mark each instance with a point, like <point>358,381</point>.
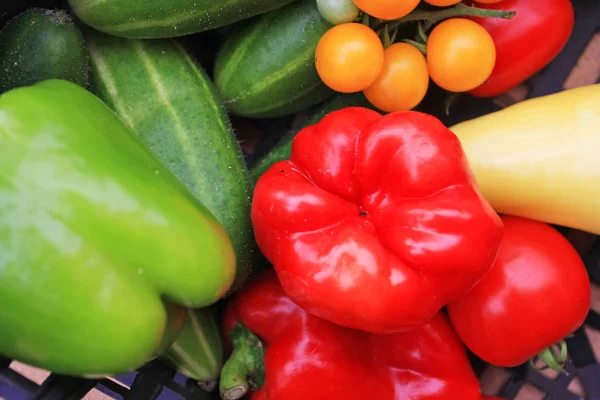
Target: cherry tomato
<point>387,9</point>
<point>403,81</point>
<point>443,3</point>
<point>489,1</point>
<point>536,293</point>
<point>349,57</point>
<point>460,54</point>
<point>338,11</point>
<point>546,29</point>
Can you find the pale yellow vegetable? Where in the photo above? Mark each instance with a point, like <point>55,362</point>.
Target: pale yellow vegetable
<point>540,158</point>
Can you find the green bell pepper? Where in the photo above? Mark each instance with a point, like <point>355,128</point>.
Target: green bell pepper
<point>101,246</point>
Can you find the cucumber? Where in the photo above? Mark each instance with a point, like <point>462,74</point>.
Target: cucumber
<point>266,67</point>
<point>283,149</point>
<point>153,19</point>
<point>198,351</point>
<point>41,44</point>
<point>169,102</point>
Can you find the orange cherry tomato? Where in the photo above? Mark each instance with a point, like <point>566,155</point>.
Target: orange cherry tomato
<point>349,57</point>
<point>387,9</point>
<point>460,55</point>
<point>403,81</point>
<point>443,3</point>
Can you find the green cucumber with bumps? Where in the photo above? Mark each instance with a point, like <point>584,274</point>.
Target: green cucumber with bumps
<point>266,67</point>
<point>154,19</point>
<point>198,350</point>
<point>170,103</point>
<point>41,44</point>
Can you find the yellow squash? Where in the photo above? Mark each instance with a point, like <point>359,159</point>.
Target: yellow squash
<point>540,158</point>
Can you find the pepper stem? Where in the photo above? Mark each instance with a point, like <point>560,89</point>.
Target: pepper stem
<point>551,358</point>
<point>459,10</point>
<point>245,369</point>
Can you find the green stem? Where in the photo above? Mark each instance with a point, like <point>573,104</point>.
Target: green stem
<point>420,46</point>
<point>422,35</point>
<point>459,10</point>
<point>551,358</point>
<point>387,41</point>
<point>245,369</point>
<point>449,101</point>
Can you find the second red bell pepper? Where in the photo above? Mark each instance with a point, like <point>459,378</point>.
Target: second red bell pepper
<point>305,357</point>
<point>375,223</point>
<point>525,43</point>
<point>536,293</point>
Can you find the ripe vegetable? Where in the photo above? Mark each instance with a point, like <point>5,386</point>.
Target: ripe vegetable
<point>198,350</point>
<point>154,19</point>
<point>353,246</point>
<point>266,67</point>
<point>349,57</point>
<point>41,44</point>
<point>282,150</point>
<point>460,54</point>
<point>387,9</point>
<point>302,357</point>
<point>536,293</point>
<point>403,81</point>
<point>99,241</point>
<point>338,11</point>
<point>489,1</point>
<point>538,158</point>
<point>547,30</point>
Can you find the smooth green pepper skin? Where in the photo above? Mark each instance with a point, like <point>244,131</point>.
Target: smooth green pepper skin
<point>96,236</point>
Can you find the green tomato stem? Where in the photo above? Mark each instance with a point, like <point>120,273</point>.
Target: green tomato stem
<point>245,369</point>
<point>422,35</point>
<point>420,46</point>
<point>459,10</point>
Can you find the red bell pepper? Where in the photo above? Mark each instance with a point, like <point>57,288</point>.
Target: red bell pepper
<point>536,293</point>
<point>525,43</point>
<point>375,223</point>
<point>305,357</point>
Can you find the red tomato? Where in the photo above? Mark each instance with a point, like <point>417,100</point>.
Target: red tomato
<point>526,43</point>
<point>536,293</point>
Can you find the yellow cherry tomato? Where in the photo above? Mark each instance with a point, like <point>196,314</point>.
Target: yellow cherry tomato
<point>443,3</point>
<point>460,55</point>
<point>387,9</point>
<point>349,57</point>
<point>403,81</point>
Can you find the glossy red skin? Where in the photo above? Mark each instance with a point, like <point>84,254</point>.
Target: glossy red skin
<point>427,237</point>
<point>309,358</point>
<point>526,43</point>
<point>537,293</point>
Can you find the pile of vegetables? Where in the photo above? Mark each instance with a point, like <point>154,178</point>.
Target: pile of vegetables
<point>132,229</point>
